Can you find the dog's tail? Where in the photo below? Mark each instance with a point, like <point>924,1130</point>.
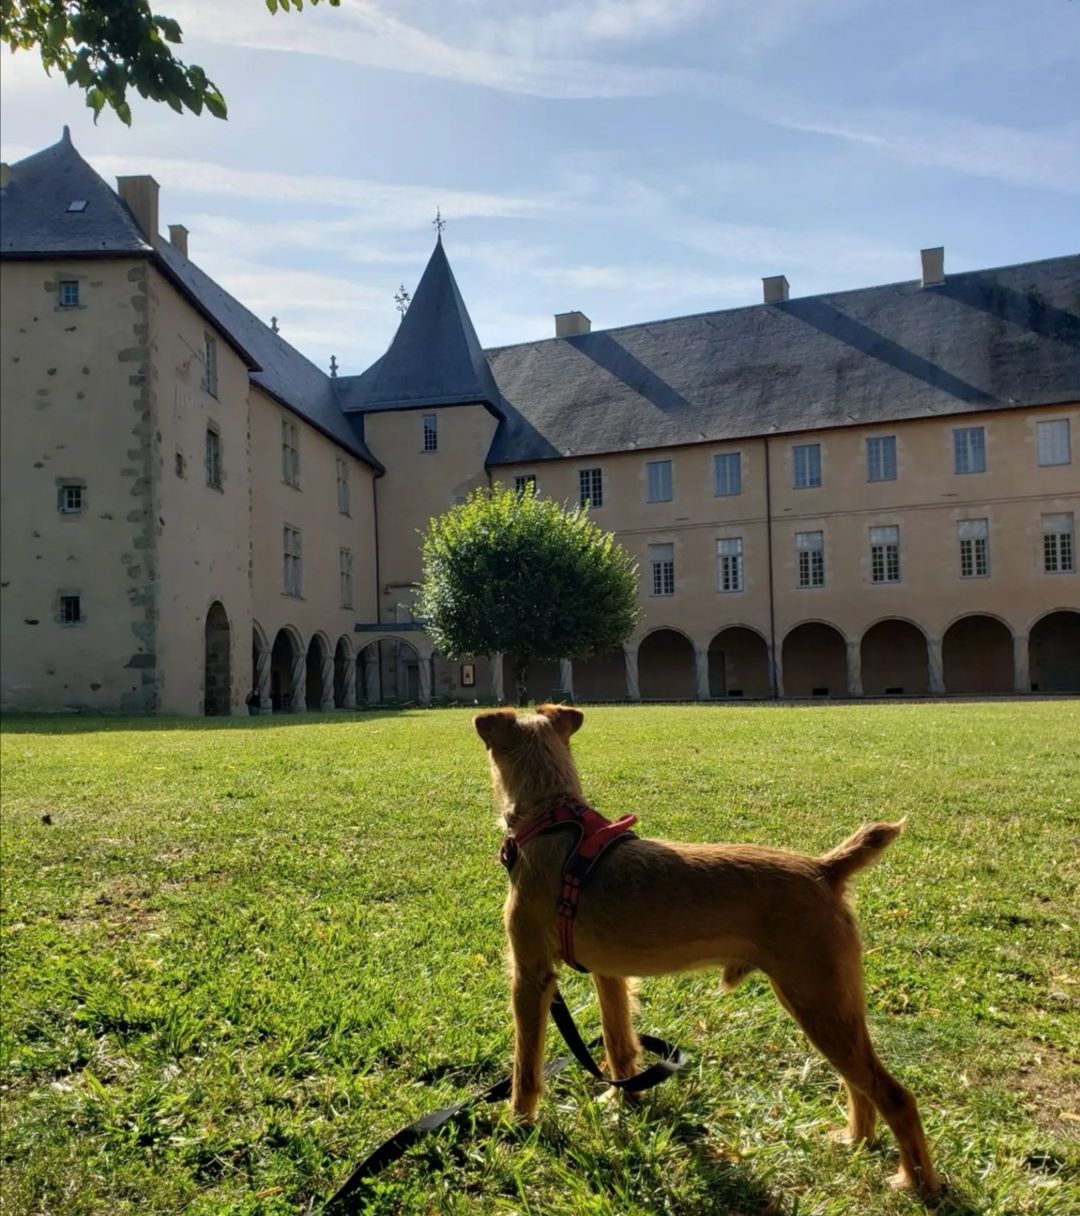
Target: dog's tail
<point>859,850</point>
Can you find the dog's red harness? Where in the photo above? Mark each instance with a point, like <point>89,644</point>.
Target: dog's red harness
<point>594,836</point>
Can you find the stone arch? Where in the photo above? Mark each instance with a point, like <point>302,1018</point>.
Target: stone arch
<point>894,659</point>
<point>217,664</point>
<point>286,670</point>
<point>977,655</point>
<point>260,667</point>
<point>739,663</point>
<point>601,678</point>
<point>392,670</point>
<point>344,675</point>
<point>319,673</point>
<point>814,657</point>
<point>666,667</point>
<point>1054,652</point>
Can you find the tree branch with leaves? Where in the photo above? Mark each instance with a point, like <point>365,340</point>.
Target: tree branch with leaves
<point>106,47</point>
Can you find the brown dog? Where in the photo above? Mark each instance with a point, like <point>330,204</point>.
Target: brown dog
<point>653,906</point>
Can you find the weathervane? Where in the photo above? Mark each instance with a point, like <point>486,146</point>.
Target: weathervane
<point>401,300</point>
<point>438,223</point>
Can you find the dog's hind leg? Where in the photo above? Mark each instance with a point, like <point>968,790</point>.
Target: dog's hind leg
<point>531,991</point>
<point>831,1014</point>
<point>620,1041</point>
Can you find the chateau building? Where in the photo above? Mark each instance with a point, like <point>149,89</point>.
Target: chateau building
<point>866,493</point>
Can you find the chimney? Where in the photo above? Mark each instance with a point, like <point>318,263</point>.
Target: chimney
<point>178,236</point>
<point>141,195</point>
<point>933,266</point>
<point>567,324</point>
<point>5,175</point>
<point>776,289</point>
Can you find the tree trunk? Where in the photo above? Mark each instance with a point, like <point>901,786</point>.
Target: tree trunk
<point>521,680</point>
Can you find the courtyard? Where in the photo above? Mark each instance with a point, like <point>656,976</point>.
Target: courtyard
<point>240,953</point>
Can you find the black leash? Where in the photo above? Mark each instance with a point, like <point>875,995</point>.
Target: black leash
<point>347,1198</point>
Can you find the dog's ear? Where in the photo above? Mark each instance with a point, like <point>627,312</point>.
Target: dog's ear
<point>564,718</point>
<point>497,727</point>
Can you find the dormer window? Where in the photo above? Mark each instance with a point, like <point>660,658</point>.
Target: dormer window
<point>69,293</point>
<point>77,204</point>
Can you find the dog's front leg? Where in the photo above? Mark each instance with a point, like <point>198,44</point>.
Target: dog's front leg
<point>620,1040</point>
<point>531,992</point>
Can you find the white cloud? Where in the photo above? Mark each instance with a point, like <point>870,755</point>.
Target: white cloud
<point>372,36</point>
<point>1046,159</point>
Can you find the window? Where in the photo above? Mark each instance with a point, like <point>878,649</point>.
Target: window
<point>293,559</point>
<point>727,474</point>
<point>77,205</point>
<point>290,453</point>
<point>881,458</point>
<point>70,499</point>
<point>345,570</point>
<point>70,610</point>
<point>806,461</point>
<point>210,383</point>
<point>591,487</point>
<point>1054,446</point>
<point>729,563</point>
<point>69,293</point>
<point>974,536</point>
<point>658,476</point>
<point>1058,547</point>
<point>181,464</point>
<point>431,433</point>
<point>662,561</point>
<point>523,481</point>
<point>969,449</point>
<point>885,554</point>
<point>810,552</point>
<point>342,487</point>
<point>213,458</point>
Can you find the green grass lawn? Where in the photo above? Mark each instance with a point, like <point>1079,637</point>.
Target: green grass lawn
<point>241,954</point>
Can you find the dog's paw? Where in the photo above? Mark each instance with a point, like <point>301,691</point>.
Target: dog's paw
<point>927,1188</point>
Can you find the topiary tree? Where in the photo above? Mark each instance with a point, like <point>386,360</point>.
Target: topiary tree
<point>507,572</point>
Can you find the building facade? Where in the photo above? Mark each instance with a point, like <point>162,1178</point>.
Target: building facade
<point>868,493</point>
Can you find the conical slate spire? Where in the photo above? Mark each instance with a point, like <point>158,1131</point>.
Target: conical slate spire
<point>435,357</point>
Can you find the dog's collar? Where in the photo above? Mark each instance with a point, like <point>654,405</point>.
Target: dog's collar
<point>595,834</point>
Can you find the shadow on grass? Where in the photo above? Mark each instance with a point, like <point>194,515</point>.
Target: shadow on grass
<point>79,724</point>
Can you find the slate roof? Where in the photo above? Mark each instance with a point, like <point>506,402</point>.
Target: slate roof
<point>34,216</point>
<point>982,340</point>
<point>35,222</point>
<point>435,357</point>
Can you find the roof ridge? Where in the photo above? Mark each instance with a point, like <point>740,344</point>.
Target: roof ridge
<point>760,304</point>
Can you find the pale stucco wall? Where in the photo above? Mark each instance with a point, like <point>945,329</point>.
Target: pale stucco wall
<point>312,507</point>
<point>202,532</point>
<point>77,403</point>
<point>926,501</point>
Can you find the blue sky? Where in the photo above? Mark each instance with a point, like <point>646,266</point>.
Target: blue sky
<point>634,159</point>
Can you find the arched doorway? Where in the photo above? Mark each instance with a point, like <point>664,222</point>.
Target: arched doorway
<point>814,657</point>
<point>1054,652</point>
<point>739,664</point>
<point>666,667</point>
<point>314,672</point>
<point>894,660</point>
<point>344,676</point>
<point>388,673</point>
<point>260,667</point>
<point>283,665</point>
<point>217,677</point>
<point>601,678</point>
<point>977,656</point>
